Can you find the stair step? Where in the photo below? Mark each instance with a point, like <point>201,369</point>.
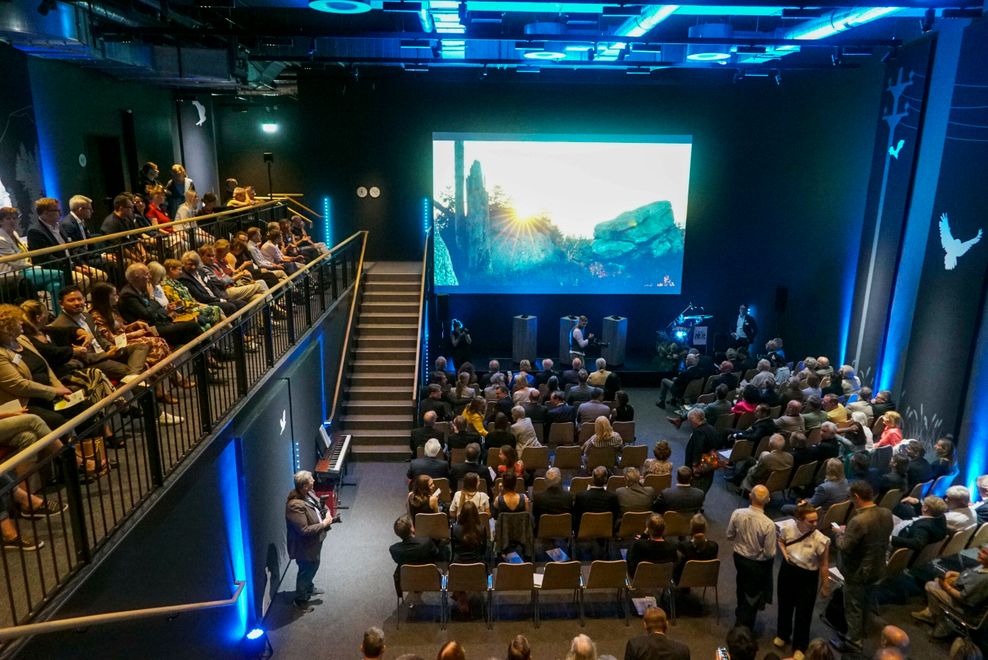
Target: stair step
<point>390,296</point>
<point>376,305</point>
<point>400,355</point>
<point>387,329</point>
<point>375,393</point>
<point>378,407</point>
<point>397,382</point>
<point>396,424</point>
<point>387,316</point>
<point>380,453</point>
<point>382,366</point>
<point>387,342</point>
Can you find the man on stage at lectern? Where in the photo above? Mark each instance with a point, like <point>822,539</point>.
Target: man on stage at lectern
<point>577,342</point>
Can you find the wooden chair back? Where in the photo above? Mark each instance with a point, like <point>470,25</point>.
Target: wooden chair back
<point>467,577</point>
<point>632,523</point>
<point>514,577</point>
<point>536,458</point>
<point>650,576</point>
<point>626,430</point>
<point>698,574</point>
<point>778,480</point>
<point>420,577</point>
<point>930,552</point>
<point>579,484</point>
<point>432,525</point>
<point>586,430</point>
<point>555,526</point>
<point>741,450</point>
<point>837,513</point>
<point>442,483</point>
<point>458,455</point>
<point>607,574</point>
<point>597,456</point>
<point>898,562</point>
<point>813,437</point>
<point>980,537</point>
<point>693,390</point>
<point>633,455</point>
<point>725,422</point>
<point>804,475</point>
<point>538,486</point>
<point>677,523</point>
<point>561,434</point>
<point>596,526</point>
<point>561,575</point>
<point>492,455</point>
<point>568,458</point>
<point>658,482</point>
<point>890,498</point>
<point>616,481</point>
<point>957,542</point>
<point>704,399</point>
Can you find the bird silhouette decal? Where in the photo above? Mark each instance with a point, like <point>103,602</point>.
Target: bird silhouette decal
<point>284,420</point>
<point>953,248</point>
<point>894,151</point>
<point>201,109</point>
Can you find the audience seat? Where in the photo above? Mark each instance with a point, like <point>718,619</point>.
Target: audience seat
<point>880,459</point>
<point>633,455</point>
<point>741,451</point>
<point>958,541</point>
<point>538,486</point>
<point>706,398</point>
<point>419,578</point>
<point>586,430</point>
<point>432,525</point>
<point>509,577</point>
<point>579,484</point>
<point>553,526</point>
<point>560,576</point>
<point>650,576</point>
<point>616,481</point>
<point>778,480</point>
<point>919,489</point>
<point>980,537</point>
<point>658,482</point>
<point>605,456</point>
<point>804,476</point>
<point>725,422</point>
<point>632,524</point>
<point>492,455</point>
<point>612,574</point>
<point>596,527</point>
<point>930,552</point>
<point>813,437</point>
<point>457,455</point>
<point>890,498</point>
<point>898,562</point>
<point>745,421</point>
<point>693,390</point>
<point>837,513</point>
<point>561,434</point>
<point>701,574</point>
<point>536,458</point>
<point>471,578</point>
<point>442,483</point>
<point>626,430</point>
<point>568,458</point>
<point>677,523</point>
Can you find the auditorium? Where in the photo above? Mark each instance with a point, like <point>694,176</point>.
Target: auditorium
<point>475,329</point>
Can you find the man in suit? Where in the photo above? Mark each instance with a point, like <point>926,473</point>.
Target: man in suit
<point>534,410</point>
<point>704,439</point>
<point>421,435</point>
<point>45,233</point>
<point>410,549</point>
<point>981,509</point>
<point>502,402</point>
<point>919,469</point>
<point>719,406</point>
<point>725,376</point>
<point>434,402</point>
<point>577,394</point>
<point>776,458</point>
<point>431,464</point>
<point>547,372</point>
<point>863,544</point>
<point>762,426</point>
<point>633,496</point>
<point>745,328</point>
<point>594,408</point>
<point>929,527</point>
<point>571,376</point>
<point>596,499</point>
<point>882,403</point>
<point>136,305</point>
<point>75,327</point>
<point>558,410</point>
<point>460,434</point>
<point>677,386</point>
<point>682,497</point>
<point>654,645</point>
<point>200,289</point>
<point>471,464</point>
<point>74,228</point>
<point>307,521</point>
<point>861,470</point>
<point>554,499</point>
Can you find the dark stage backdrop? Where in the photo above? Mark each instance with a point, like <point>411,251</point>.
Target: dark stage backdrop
<point>20,168</point>
<point>953,279</point>
<point>892,172</point>
<point>777,185</point>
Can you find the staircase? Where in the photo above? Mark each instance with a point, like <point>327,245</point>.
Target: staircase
<point>378,411</point>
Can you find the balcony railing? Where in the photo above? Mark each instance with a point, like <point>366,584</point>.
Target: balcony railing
<point>226,362</point>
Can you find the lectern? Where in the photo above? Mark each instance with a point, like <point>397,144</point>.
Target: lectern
<point>614,333</point>
<point>524,337</point>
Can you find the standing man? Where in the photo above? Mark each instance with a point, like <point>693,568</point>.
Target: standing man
<point>577,342</point>
<point>753,536</point>
<point>654,643</point>
<point>745,328</point>
<point>703,440</point>
<point>308,520</point>
<point>863,543</point>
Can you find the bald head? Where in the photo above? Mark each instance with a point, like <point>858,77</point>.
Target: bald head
<point>429,418</point>
<point>889,653</point>
<point>895,637</point>
<point>759,496</point>
<point>582,648</point>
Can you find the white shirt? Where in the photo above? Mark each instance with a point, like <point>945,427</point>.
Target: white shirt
<point>808,552</point>
<point>739,331</point>
<point>752,534</point>
<point>958,519</point>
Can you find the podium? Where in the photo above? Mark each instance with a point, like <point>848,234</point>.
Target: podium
<point>524,337</point>
<point>614,333</point>
<point>566,324</point>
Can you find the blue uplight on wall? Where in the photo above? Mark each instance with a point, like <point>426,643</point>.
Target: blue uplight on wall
<point>230,476</point>
<point>327,221</point>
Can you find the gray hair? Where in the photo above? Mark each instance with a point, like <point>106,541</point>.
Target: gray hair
<point>601,363</point>
<point>696,413</point>
<point>303,478</point>
<point>764,365</point>
<point>432,447</point>
<point>632,474</point>
<point>517,412</point>
<point>830,426</point>
<point>582,648</point>
<point>958,495</point>
<point>777,441</point>
<point>193,256</point>
<point>547,364</point>
<point>553,477</point>
<point>157,271</point>
<point>131,273</point>
<point>78,200</point>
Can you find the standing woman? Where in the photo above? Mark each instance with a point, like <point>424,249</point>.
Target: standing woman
<point>805,563</point>
<point>892,433</point>
<point>176,187</point>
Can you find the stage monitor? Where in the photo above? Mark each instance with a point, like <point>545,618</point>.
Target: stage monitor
<point>559,214</point>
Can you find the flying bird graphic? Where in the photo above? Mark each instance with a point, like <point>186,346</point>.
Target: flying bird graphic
<point>894,151</point>
<point>201,109</point>
<point>284,420</point>
<point>953,248</point>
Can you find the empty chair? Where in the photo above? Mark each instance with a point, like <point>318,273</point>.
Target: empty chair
<point>677,524</point>
<point>804,476</point>
<point>930,552</point>
<point>741,451</point>
<point>658,482</point>
<point>626,430</point>
<point>553,526</point>
<point>536,458</point>
<point>837,513</point>
<point>980,537</point>
<point>707,397</point>
<point>511,578</point>
<point>778,480</point>
<point>586,430</point>
<point>615,481</point>
<point>568,458</point>
<point>432,525</point>
<point>561,434</point>
<point>632,523</point>
<point>609,575</point>
<point>701,574</point>
<point>890,498</point>
<point>957,542</point>
<point>813,436</point>
<point>650,576</point>
<point>605,456</point>
<point>514,530</point>
<point>457,455</point>
<point>633,455</point>
<point>898,562</point>
<point>693,390</point>
<point>470,578</point>
<point>538,486</point>
<point>596,527</point>
<point>418,578</point>
<point>919,489</point>
<point>579,484</point>
<point>492,455</point>
<point>724,422</point>
<point>560,576</point>
<point>441,428</point>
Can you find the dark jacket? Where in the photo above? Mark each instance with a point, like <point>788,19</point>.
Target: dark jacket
<point>206,296</point>
<point>444,412</point>
<point>459,470</point>
<point>437,468</point>
<point>595,500</point>
<point>863,545</point>
<point>920,533</point>
<point>647,549</point>
<point>551,501</point>
<point>561,413</point>
<point>306,531</point>
<point>40,236</point>
<point>704,439</point>
<point>655,646</point>
<point>421,435</point>
<point>758,430</point>
<point>918,471</point>
<point>684,499</point>
<point>415,550</point>
<point>138,306</point>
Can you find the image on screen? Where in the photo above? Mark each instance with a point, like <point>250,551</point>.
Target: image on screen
<point>550,214</point>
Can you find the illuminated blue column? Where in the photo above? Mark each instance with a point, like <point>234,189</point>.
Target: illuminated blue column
<point>918,224</point>
<point>973,447</point>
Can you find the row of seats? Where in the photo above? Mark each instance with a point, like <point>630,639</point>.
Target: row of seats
<point>566,576</point>
<point>560,433</point>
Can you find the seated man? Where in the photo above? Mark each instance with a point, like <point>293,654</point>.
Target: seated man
<point>272,252</point>
<point>776,458</point>
<point>791,420</point>
<point>470,464</point>
<point>651,546</point>
<point>682,497</point>
<point>633,496</point>
<point>960,515</point>
<point>434,402</point>
<point>919,469</point>
<point>571,376</point>
<point>929,527</point>
<point>460,434</point>
<point>725,376</point>
<point>677,386</point>
<point>554,499</point>
<point>410,549</point>
<point>882,403</point>
<point>836,412</point>
<point>534,410</point>
<point>813,415</point>
<point>966,591</point>
<point>764,374</point>
<point>981,508</point>
<point>243,287</point>
<point>558,410</point>
<point>862,403</point>
<point>421,434</point>
<point>577,394</point>
<point>431,464</point>
<point>590,410</point>
<point>596,499</point>
<point>136,304</point>
<point>74,326</point>
<point>762,426</point>
<point>195,281</point>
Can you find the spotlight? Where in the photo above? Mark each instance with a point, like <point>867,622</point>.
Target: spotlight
<point>269,128</point>
<point>256,644</point>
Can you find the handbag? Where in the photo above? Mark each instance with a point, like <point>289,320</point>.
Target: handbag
<point>92,449</point>
<point>709,463</point>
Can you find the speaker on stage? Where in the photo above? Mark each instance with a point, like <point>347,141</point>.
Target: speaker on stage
<point>524,337</point>
<point>566,324</point>
<point>614,333</point>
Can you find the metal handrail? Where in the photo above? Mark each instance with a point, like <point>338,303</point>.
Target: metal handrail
<point>292,200</point>
<point>177,224</point>
<point>73,623</point>
<point>418,336</point>
<point>349,327</point>
<point>168,363</point>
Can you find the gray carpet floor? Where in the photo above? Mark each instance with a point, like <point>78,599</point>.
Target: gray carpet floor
<point>356,574</point>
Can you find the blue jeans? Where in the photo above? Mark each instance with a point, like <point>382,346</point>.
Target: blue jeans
<point>303,581</point>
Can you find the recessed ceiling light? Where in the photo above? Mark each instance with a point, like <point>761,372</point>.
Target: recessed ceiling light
<point>708,57</point>
<point>545,55</point>
<point>340,6</point>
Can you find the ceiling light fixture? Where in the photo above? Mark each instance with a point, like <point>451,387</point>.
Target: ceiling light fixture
<point>545,55</point>
<point>424,44</point>
<point>340,6</point>
<point>709,52</point>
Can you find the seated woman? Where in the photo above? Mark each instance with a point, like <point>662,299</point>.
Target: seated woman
<point>424,497</point>
<point>474,414</point>
<point>603,436</point>
<point>462,394</point>
<point>892,433</point>
<point>623,411</point>
<point>18,431</point>
<point>500,434</point>
<point>660,465</point>
<point>507,461</point>
<point>468,536</point>
<point>944,463</point>
<point>180,299</point>
<point>750,399</point>
<point>158,215</point>
<point>468,494</point>
<point>507,500</point>
<point>27,378</point>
